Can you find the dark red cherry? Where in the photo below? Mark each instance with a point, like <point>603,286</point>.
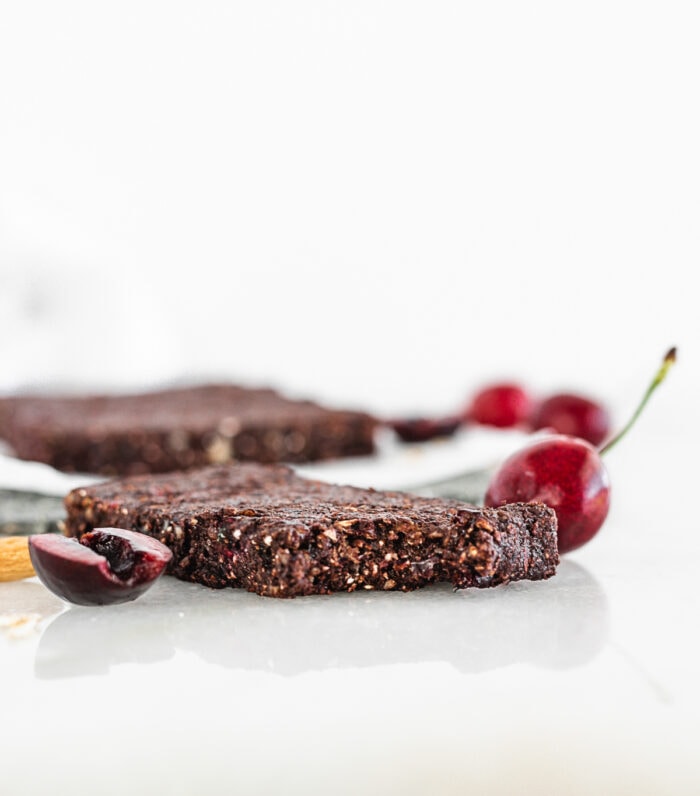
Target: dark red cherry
<point>575,415</point>
<point>107,565</point>
<point>500,405</point>
<point>422,429</point>
<point>566,474</point>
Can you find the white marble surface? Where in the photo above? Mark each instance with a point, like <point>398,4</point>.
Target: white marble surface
<point>586,683</point>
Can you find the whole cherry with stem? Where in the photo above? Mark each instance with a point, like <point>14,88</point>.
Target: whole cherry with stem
<point>568,475</point>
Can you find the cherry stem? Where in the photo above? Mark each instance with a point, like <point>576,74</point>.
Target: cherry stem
<point>668,360</point>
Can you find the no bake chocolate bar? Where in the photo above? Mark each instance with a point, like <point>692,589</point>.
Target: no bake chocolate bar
<point>264,529</point>
<point>177,429</point>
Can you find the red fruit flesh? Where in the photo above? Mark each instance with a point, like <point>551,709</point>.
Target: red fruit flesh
<point>500,405</point>
<point>564,473</point>
<point>567,413</point>
<point>107,565</point>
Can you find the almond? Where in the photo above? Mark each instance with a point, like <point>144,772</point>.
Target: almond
<point>15,563</point>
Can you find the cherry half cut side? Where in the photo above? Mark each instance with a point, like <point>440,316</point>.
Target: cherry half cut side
<point>422,429</point>
<point>107,565</point>
<point>568,475</point>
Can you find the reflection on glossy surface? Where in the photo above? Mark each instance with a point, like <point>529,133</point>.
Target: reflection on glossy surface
<point>29,596</point>
<point>558,624</point>
<point>24,605</point>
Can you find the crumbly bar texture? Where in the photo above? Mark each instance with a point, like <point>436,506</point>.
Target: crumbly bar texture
<point>178,429</point>
<point>264,529</point>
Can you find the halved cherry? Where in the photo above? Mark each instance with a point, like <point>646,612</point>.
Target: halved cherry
<point>107,565</point>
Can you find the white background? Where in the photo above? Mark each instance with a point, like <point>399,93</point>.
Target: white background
<point>381,204</point>
<point>378,203</point>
